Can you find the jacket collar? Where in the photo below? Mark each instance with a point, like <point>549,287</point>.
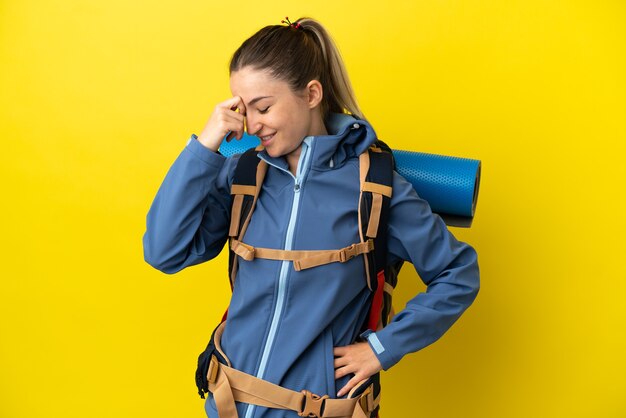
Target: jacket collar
<point>347,137</point>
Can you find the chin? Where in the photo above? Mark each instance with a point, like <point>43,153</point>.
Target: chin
<point>271,152</point>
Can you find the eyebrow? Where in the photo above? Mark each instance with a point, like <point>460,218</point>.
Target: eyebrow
<point>256,99</point>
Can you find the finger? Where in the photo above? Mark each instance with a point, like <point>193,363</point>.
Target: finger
<point>231,116</point>
<point>341,361</point>
<point>236,103</point>
<point>233,126</point>
<point>342,371</point>
<point>242,107</point>
<point>340,351</point>
<point>348,387</point>
<point>231,106</point>
<point>232,103</point>
<point>234,131</point>
<point>238,135</point>
<point>241,129</point>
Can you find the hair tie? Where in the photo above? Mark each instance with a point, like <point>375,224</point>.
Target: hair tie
<point>293,25</point>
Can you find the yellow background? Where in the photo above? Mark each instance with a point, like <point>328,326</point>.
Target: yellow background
<point>98,99</point>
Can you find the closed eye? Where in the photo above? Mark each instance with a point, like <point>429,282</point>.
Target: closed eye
<point>262,111</point>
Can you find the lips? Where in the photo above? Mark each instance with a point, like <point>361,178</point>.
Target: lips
<point>266,138</point>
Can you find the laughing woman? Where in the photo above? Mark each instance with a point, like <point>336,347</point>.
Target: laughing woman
<point>294,343</point>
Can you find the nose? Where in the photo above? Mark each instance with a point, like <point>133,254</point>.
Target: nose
<point>253,125</point>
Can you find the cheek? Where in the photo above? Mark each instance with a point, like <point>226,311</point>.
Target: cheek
<point>298,117</point>
<point>283,119</point>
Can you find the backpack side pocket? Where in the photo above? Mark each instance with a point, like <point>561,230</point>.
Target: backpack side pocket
<point>204,360</point>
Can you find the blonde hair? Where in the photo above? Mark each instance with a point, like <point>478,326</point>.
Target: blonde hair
<point>297,56</point>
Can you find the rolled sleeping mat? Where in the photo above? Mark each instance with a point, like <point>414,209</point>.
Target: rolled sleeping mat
<point>448,184</point>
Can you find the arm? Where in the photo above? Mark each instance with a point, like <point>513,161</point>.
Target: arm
<point>188,220</point>
<point>447,266</point>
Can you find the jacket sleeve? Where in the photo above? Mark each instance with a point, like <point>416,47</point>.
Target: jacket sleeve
<point>447,266</point>
<point>189,218</point>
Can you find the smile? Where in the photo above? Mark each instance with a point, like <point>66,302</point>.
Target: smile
<point>267,138</point>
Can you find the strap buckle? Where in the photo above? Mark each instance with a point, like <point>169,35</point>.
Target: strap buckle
<point>347,253</point>
<point>245,251</point>
<point>312,404</point>
<point>213,367</point>
<point>350,252</point>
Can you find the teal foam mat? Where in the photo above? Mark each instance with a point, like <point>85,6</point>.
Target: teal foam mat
<point>448,184</point>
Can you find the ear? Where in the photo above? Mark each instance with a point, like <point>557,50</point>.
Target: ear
<point>315,93</point>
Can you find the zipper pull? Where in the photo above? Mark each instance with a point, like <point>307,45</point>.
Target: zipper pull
<point>296,188</point>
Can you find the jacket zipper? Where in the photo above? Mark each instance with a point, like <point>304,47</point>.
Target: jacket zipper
<point>303,164</point>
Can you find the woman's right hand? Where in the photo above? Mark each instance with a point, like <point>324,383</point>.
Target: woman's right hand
<point>224,119</point>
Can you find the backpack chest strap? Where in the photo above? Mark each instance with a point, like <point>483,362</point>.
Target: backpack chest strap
<point>302,259</point>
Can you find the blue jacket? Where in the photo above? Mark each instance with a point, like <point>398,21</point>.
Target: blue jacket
<point>283,324</point>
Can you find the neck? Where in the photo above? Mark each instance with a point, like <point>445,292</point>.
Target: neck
<point>317,128</point>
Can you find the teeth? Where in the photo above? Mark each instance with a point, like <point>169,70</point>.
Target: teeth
<point>265,138</point>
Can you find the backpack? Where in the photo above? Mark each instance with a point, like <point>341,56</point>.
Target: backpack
<point>376,167</point>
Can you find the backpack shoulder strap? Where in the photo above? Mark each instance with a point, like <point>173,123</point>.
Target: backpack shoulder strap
<point>247,182</point>
<point>376,178</point>
<point>376,167</point>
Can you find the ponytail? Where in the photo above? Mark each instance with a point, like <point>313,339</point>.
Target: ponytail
<point>341,96</point>
<point>299,55</point>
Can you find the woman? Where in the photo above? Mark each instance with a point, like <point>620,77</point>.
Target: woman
<point>302,330</point>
